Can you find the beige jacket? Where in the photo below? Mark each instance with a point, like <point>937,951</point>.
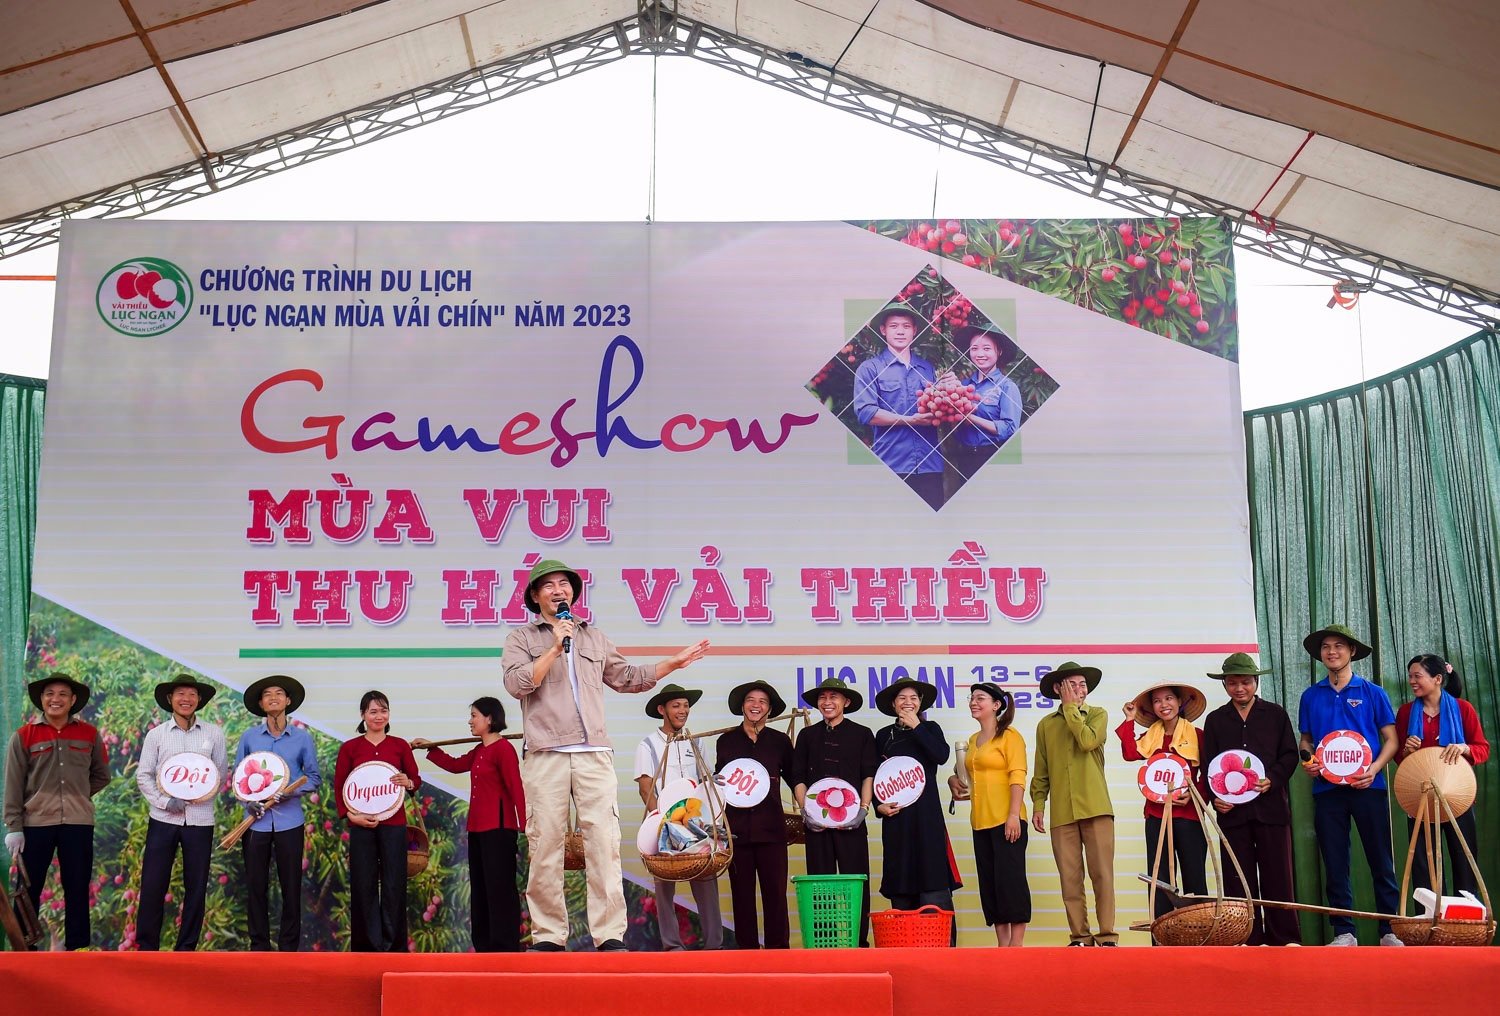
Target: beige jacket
<point>550,718</point>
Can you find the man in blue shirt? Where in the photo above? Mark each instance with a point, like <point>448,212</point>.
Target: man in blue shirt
<point>886,387</point>
<point>1346,701</point>
<point>998,413</point>
<point>277,831</point>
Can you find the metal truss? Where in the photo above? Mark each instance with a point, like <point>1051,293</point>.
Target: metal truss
<point>656,29</point>
<point>302,145</point>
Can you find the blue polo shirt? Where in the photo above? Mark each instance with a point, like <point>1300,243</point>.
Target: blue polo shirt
<point>1362,706</point>
<point>884,382</point>
<point>296,748</point>
<point>999,403</point>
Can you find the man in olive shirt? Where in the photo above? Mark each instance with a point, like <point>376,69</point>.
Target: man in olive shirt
<point>1069,768</point>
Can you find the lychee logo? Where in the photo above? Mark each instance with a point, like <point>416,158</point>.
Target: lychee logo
<point>144,296</point>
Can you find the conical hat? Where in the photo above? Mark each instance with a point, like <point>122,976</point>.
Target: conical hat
<point>1424,769</point>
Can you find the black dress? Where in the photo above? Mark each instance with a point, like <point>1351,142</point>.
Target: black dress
<point>915,839</point>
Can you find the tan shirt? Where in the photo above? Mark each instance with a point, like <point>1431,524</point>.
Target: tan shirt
<point>550,718</point>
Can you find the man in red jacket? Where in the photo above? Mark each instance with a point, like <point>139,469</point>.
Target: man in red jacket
<point>53,768</point>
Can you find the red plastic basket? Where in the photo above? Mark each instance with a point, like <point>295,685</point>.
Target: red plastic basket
<point>928,927</point>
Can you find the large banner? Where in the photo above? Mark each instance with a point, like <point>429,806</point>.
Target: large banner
<point>955,450</point>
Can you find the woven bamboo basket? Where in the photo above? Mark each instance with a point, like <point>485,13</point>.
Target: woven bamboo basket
<point>1425,931</point>
<point>1426,791</point>
<point>1221,922</point>
<point>796,827</point>
<point>418,843</point>
<point>698,867</point>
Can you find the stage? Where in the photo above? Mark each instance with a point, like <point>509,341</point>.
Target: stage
<point>870,982</point>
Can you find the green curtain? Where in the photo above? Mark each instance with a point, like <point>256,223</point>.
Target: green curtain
<point>1379,507</point>
<point>21,402</point>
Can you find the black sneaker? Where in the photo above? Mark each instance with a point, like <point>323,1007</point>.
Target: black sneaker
<point>548,947</point>
<point>1107,945</point>
<point>611,945</point>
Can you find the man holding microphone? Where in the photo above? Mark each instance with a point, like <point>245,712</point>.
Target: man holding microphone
<point>558,667</point>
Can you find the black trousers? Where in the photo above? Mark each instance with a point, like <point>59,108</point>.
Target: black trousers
<point>766,862</point>
<point>285,846</point>
<point>843,852</point>
<point>1265,852</point>
<point>1456,870</point>
<point>1191,849</point>
<point>74,847</point>
<point>377,888</point>
<point>162,841</point>
<point>495,902</point>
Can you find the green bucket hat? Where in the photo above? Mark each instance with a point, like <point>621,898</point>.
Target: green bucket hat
<point>166,688</point>
<point>542,570</point>
<point>885,700</point>
<point>295,693</point>
<point>737,699</point>
<point>79,689</point>
<point>1239,665</point>
<point>667,694</point>
<point>1314,642</point>
<point>1048,684</point>
<point>898,307</point>
<point>856,700</point>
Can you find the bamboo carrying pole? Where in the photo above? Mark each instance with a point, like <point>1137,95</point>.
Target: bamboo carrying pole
<point>688,735</point>
<point>513,736</point>
<point>239,830</point>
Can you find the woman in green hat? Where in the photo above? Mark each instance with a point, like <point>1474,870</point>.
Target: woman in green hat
<point>918,867</point>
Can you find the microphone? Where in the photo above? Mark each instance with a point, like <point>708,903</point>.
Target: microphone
<point>564,614</point>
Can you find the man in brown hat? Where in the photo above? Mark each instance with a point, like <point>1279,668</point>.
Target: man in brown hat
<point>760,848</point>
<point>1069,769</point>
<point>53,768</point>
<point>837,748</point>
<point>674,760</point>
<point>1258,831</point>
<point>175,822</point>
<point>559,667</point>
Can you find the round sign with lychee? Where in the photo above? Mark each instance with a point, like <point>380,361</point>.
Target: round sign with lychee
<point>832,802</point>
<point>258,776</point>
<point>1234,775</point>
<point>144,296</point>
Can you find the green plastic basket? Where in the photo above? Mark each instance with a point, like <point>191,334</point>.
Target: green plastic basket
<point>828,909</point>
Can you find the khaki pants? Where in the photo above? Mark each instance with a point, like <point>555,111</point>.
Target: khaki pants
<point>1090,840</point>
<point>587,778</point>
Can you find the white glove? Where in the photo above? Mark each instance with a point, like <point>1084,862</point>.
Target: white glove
<point>859,819</point>
<point>15,843</point>
<point>176,804</point>
<point>813,821</point>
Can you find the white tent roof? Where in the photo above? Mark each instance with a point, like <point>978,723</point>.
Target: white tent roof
<point>1372,123</point>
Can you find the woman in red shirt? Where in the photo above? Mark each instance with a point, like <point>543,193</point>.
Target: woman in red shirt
<point>1437,718</point>
<point>377,847</point>
<point>1167,712</point>
<point>497,813</point>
